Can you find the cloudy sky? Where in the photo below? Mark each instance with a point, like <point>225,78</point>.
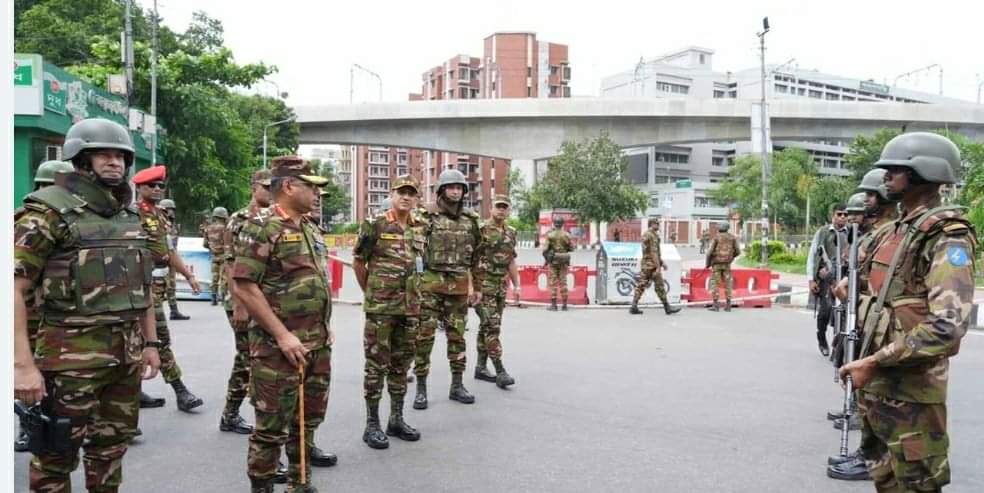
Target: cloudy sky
<point>314,44</point>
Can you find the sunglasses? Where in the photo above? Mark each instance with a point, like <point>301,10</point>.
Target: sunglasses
<point>840,214</point>
<point>159,186</point>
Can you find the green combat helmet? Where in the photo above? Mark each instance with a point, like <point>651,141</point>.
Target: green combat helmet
<point>855,204</point>
<point>97,133</point>
<point>48,169</point>
<point>874,182</point>
<point>723,227</point>
<point>558,222</point>
<point>220,212</point>
<point>451,177</point>
<point>933,157</point>
<point>167,204</point>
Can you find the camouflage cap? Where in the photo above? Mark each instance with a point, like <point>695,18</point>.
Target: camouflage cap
<point>406,181</point>
<point>296,166</point>
<point>262,177</point>
<point>502,199</point>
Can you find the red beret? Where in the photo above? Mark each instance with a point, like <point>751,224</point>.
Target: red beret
<point>150,175</point>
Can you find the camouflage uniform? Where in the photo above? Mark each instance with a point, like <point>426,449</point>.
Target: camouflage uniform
<point>559,247</point>
<point>172,298</point>
<point>925,315</point>
<point>213,241</point>
<point>498,252</point>
<point>156,225</point>
<point>288,262</point>
<point>90,355</point>
<point>723,251</point>
<point>651,271</point>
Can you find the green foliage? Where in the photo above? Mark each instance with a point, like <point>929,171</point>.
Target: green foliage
<point>754,251</point>
<point>336,201</point>
<point>589,178</point>
<point>865,150</point>
<point>346,229</point>
<point>520,225</point>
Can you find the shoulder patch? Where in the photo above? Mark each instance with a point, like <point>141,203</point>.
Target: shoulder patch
<point>292,237</point>
<point>957,256</point>
<point>956,229</point>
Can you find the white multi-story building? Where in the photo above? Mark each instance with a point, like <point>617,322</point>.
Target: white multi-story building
<point>689,73</point>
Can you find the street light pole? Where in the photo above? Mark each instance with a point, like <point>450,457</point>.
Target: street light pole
<point>764,124</point>
<point>352,80</point>
<point>153,88</point>
<point>265,129</point>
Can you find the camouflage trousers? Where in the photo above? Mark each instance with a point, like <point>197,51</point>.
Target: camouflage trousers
<point>172,297</point>
<point>169,366</point>
<point>646,276</point>
<point>274,390</point>
<point>720,273</point>
<point>557,280</point>
<point>905,444</point>
<point>389,342</point>
<point>218,278</point>
<point>239,377</point>
<point>450,310</point>
<point>102,404</point>
<point>490,319</point>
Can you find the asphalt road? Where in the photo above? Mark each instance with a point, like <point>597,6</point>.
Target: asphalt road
<point>604,401</point>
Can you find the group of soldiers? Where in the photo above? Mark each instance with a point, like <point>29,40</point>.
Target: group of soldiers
<point>913,298</point>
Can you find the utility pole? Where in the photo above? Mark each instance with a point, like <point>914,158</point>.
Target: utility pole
<point>153,87</point>
<point>352,81</point>
<point>764,124</point>
<point>128,51</point>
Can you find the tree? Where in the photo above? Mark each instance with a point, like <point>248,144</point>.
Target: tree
<point>524,203</point>
<point>865,150</point>
<point>336,200</point>
<point>589,178</point>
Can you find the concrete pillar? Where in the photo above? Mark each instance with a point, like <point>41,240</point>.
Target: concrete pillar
<point>603,232</point>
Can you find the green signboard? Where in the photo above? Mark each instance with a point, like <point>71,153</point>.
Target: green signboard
<point>65,94</point>
<point>27,70</point>
<point>55,94</point>
<point>684,184</point>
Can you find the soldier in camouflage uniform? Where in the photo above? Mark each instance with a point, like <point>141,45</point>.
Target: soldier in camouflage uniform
<point>651,270</point>
<point>44,177</point>
<point>281,276</point>
<point>921,293</point>
<point>213,242</point>
<point>724,249</point>
<point>89,357</point>
<point>170,210</point>
<point>820,269</point>
<point>388,264</point>
<point>557,253</point>
<point>150,186</point>
<point>496,262</point>
<point>447,287</point>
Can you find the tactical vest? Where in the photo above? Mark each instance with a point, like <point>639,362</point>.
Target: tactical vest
<point>500,250</point>
<point>214,233</point>
<point>451,242</point>
<point>559,243</point>
<point>724,251</point>
<point>102,271</point>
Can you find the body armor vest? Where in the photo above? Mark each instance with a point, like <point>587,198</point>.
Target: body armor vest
<point>451,243</point>
<point>724,250</point>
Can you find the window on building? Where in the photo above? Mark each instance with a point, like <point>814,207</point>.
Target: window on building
<point>553,70</point>
<point>815,94</point>
<point>718,94</point>
<point>529,91</point>
<point>801,91</point>
<point>567,92</point>
<point>554,90</point>
<point>567,73</point>
<point>379,157</point>
<point>529,71</point>
<point>668,157</point>
<point>717,161</point>
<point>672,88</point>
<point>701,58</point>
<point>780,88</point>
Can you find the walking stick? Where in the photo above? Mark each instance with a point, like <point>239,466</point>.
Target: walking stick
<point>302,441</point>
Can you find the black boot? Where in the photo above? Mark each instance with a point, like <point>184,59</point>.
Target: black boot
<point>147,401</point>
<point>727,305</point>
<point>852,470</point>
<point>458,391</point>
<point>320,458</point>
<point>420,400</point>
<point>374,436</point>
<point>822,343</point>
<point>177,315</point>
<point>215,298</point>
<point>186,400</point>
<point>670,310</point>
<point>20,443</point>
<point>553,304</point>
<point>481,371</point>
<point>836,459</point>
<point>502,378</point>
<point>396,426</point>
<point>564,306</point>
<point>262,485</point>
<point>634,309</point>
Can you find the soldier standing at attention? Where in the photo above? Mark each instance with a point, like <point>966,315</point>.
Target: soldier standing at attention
<point>281,276</point>
<point>557,253</point>
<point>496,263</point>
<point>651,271</point>
<point>447,287</point>
<point>724,249</point>
<point>820,267</point>
<point>388,263</point>
<point>90,356</point>
<point>169,208</point>
<point>150,186</point>
<point>922,274</point>
<point>213,241</point>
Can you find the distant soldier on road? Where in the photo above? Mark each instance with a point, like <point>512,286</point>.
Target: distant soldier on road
<point>169,208</point>
<point>557,253</point>
<point>820,267</point>
<point>652,267</point>
<point>214,232</point>
<point>724,250</point>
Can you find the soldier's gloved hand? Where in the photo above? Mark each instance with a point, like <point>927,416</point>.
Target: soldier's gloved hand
<point>240,317</point>
<point>151,363</point>
<point>28,384</point>
<point>292,348</point>
<point>195,287</point>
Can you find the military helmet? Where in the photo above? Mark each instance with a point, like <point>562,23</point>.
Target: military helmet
<point>855,204</point>
<point>558,221</point>
<point>220,212</point>
<point>931,156</point>
<point>724,226</point>
<point>46,172</point>
<point>874,182</point>
<point>167,204</point>
<point>451,177</point>
<point>97,133</point>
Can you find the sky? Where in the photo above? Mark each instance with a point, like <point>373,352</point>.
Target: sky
<point>314,44</point>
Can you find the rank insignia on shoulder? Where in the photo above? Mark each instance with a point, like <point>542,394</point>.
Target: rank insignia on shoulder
<point>292,237</point>
<point>957,255</point>
<point>390,236</point>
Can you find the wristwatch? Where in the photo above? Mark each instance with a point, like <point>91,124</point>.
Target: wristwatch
<point>153,344</point>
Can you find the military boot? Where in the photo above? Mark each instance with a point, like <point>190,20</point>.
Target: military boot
<point>714,307</point>
<point>261,486</point>
<point>177,315</point>
<point>215,298</point>
<point>634,309</point>
<point>301,488</point>
<point>727,305</point>
<point>822,344</point>
<point>320,458</point>
<point>670,310</point>
<point>502,378</point>
<point>396,426</point>
<point>458,391</point>
<point>186,400</point>
<point>20,444</point>
<point>147,401</point>
<point>564,306</point>
<point>374,436</point>
<point>481,371</point>
<point>233,422</point>
<point>553,304</point>
<point>852,470</point>
<point>420,400</point>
